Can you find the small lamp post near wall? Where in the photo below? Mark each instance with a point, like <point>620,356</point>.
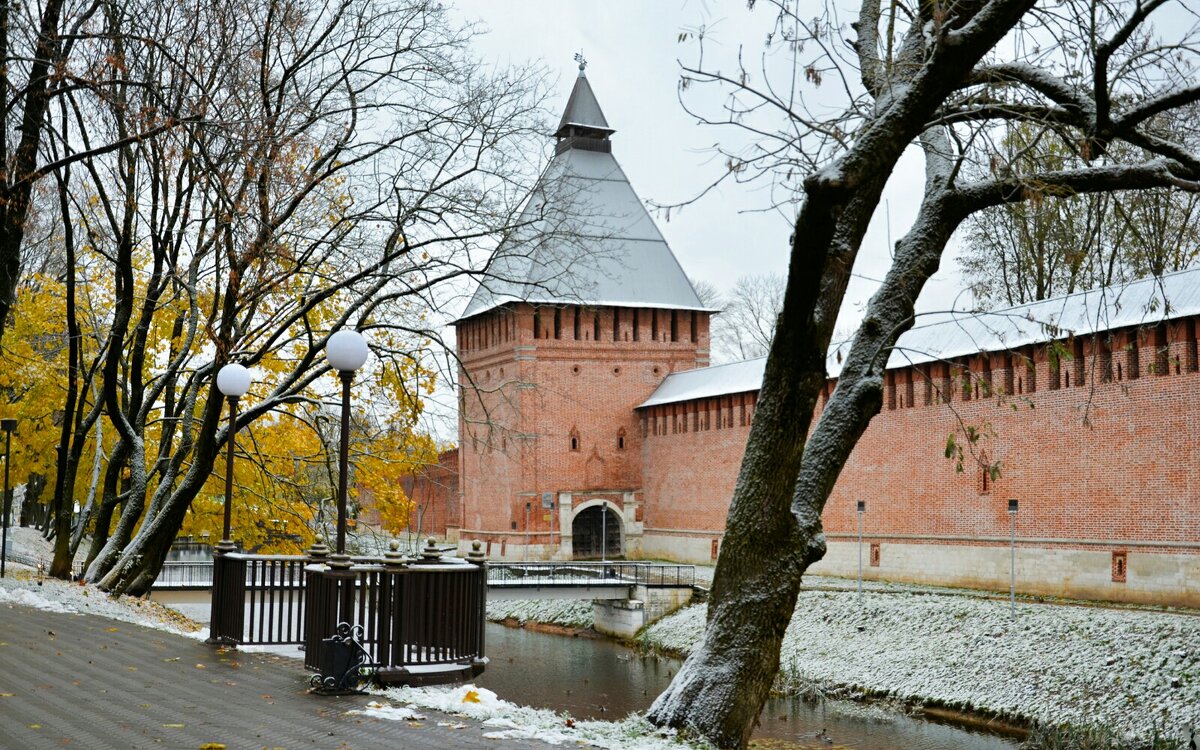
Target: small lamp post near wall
<point>8,425</point>
<point>1012,572</point>
<point>862,509</point>
<point>604,532</point>
<point>233,381</point>
<point>346,351</point>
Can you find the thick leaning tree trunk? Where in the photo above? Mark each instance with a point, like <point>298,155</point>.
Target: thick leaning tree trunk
<point>773,531</point>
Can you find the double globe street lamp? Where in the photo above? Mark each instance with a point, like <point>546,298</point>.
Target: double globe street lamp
<point>346,351</point>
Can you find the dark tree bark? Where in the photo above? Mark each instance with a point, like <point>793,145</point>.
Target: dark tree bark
<point>773,532</point>
<point>20,168</point>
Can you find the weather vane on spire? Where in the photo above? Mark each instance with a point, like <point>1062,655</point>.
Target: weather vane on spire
<point>579,58</point>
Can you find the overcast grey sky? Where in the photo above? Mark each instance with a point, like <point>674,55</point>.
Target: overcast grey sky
<point>633,67</point>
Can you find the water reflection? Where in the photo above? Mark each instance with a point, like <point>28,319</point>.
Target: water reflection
<point>592,678</point>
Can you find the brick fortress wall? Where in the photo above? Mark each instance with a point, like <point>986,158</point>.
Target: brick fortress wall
<point>1097,448</point>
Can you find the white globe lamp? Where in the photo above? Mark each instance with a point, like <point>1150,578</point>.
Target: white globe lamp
<point>233,380</point>
<point>346,351</point>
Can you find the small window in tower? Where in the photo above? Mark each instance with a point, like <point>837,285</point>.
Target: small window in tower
<point>578,333</point>
<point>621,439</point>
<point>635,324</point>
<point>654,325</point>
<point>574,434</point>
<point>537,324</point>
<point>558,322</point>
<point>596,326</point>
<point>674,325</point>
<point>695,317</point>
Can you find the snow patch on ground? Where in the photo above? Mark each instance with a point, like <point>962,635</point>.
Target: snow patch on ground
<point>569,613</point>
<point>33,599</point>
<point>510,721</point>
<point>1128,670</point>
<point>21,587</point>
<point>377,710</point>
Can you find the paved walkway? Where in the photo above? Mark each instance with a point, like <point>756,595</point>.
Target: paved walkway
<point>85,681</point>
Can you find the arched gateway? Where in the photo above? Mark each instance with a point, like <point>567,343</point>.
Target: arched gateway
<point>596,532</point>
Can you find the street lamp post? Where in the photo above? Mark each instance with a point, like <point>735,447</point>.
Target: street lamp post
<point>8,425</point>
<point>346,351</point>
<point>604,532</point>
<point>862,508</point>
<point>233,381</point>
<point>1012,571</point>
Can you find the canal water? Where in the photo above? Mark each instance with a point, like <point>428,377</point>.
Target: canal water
<point>595,678</point>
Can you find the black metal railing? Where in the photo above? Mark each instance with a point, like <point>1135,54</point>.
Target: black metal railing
<point>32,561</point>
<point>421,616</point>
<point>653,575</point>
<point>256,599</point>
<point>418,616</point>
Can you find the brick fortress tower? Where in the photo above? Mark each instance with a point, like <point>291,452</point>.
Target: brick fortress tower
<point>585,312</point>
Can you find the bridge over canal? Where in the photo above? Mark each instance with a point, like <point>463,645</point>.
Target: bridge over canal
<point>626,596</point>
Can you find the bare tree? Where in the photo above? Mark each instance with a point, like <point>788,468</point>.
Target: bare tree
<point>928,74</point>
<point>345,162</point>
<point>746,325</point>
<point>1062,242</point>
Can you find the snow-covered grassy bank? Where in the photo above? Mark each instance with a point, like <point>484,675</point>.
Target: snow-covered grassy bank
<point>1132,671</point>
<point>20,586</point>
<point>567,613</point>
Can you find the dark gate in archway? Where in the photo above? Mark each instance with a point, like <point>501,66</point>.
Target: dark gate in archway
<point>596,532</point>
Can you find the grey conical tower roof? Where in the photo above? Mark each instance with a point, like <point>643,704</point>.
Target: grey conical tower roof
<point>583,111</point>
<point>584,236</point>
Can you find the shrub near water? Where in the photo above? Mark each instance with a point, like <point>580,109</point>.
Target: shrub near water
<point>1068,737</point>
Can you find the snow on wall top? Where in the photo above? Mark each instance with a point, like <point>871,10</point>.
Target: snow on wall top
<point>706,382</point>
<point>585,238</point>
<point>1139,303</point>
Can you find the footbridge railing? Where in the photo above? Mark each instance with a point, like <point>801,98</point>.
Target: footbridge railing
<point>579,573</point>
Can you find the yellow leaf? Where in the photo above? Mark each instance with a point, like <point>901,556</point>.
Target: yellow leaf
<point>173,726</point>
<point>471,697</point>
<point>8,695</point>
<point>111,630</point>
<point>35,726</point>
<point>212,746</point>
